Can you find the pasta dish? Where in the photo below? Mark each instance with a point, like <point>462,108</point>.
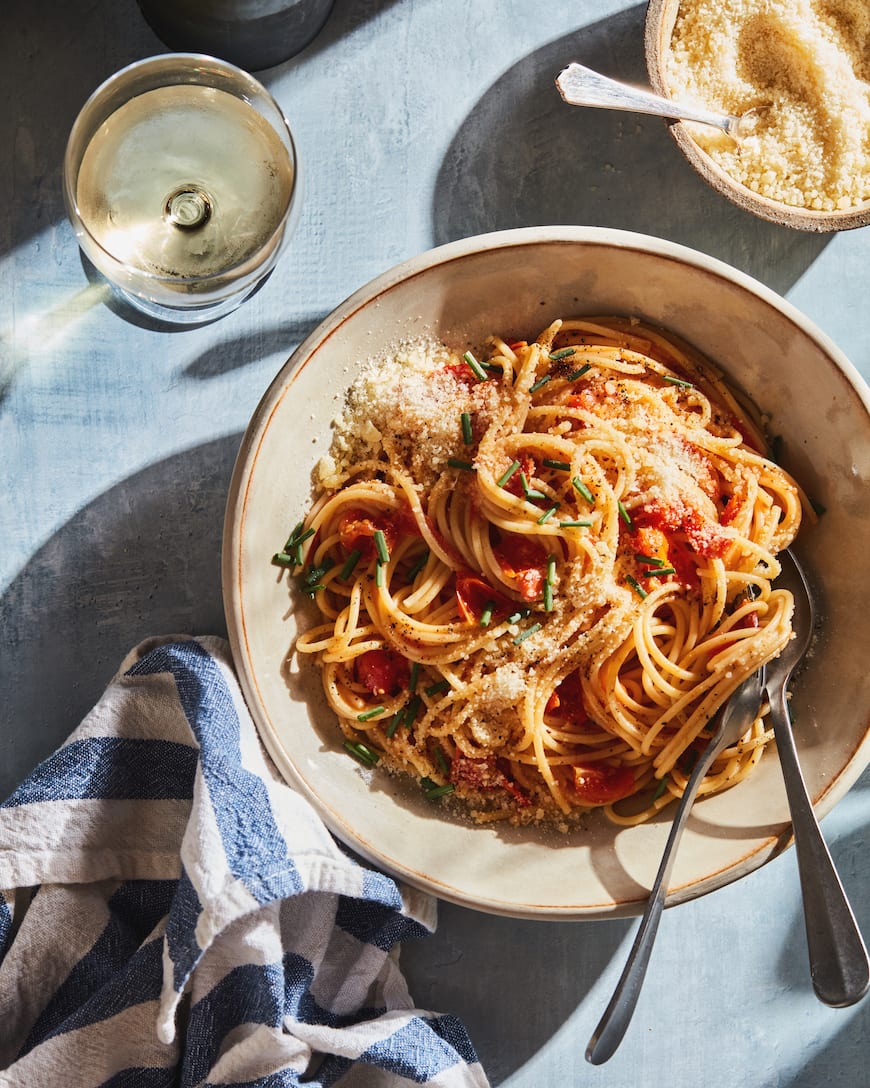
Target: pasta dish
<point>539,569</point>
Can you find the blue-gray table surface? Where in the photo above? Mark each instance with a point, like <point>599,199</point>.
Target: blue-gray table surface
<point>418,122</point>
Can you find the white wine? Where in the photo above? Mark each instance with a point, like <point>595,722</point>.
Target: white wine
<point>185,182</point>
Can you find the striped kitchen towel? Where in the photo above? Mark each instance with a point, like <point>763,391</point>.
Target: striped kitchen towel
<point>172,913</point>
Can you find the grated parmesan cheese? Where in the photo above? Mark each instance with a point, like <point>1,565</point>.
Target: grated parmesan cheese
<point>809,62</point>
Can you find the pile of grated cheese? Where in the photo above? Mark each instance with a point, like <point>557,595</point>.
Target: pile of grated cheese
<point>809,62</point>
<point>412,395</point>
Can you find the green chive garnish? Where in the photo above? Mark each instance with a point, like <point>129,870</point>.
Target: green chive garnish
<point>548,596</point>
<point>291,539</point>
<point>579,373</point>
<point>529,631</point>
<point>297,538</point>
<point>282,559</point>
<point>476,369</point>
<point>379,575</point>
<point>574,524</point>
<point>436,689</point>
<point>562,353</point>
<point>624,514</point>
<point>467,432</point>
<point>503,479</point>
<point>659,572</point>
<point>540,383</point>
<point>381,546</point>
<point>362,752</point>
<point>636,586</point>
<point>373,713</point>
<point>677,381</point>
<point>486,615</point>
<point>551,569</point>
<point>349,567</point>
<point>545,517</point>
<point>582,489</point>
<point>530,492</point>
<point>441,760</point>
<point>515,617</point>
<point>412,679</point>
<point>466,466</point>
<point>660,788</point>
<point>396,722</point>
<point>418,566</point>
<point>651,560</point>
<point>562,466</point>
<point>434,792</point>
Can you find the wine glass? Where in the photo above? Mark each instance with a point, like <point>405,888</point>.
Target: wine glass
<point>182,183</point>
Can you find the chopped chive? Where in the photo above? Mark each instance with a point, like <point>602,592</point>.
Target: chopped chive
<point>624,514</point>
<point>381,546</point>
<point>540,383</point>
<point>659,572</point>
<point>548,596</point>
<point>551,569</point>
<point>396,722</point>
<point>412,679</point>
<point>291,539</point>
<point>677,381</point>
<point>373,713</point>
<point>505,476</point>
<point>467,431</point>
<point>297,555</point>
<point>379,575</point>
<point>418,566</point>
<point>441,760</point>
<point>466,466</point>
<point>582,489</point>
<point>545,517</point>
<point>282,559</point>
<point>579,373</point>
<point>475,367</point>
<point>651,560</point>
<point>362,752</point>
<point>529,631</point>
<point>433,791</point>
<point>493,366</point>
<point>530,492</point>
<point>562,466</point>
<point>297,538</point>
<point>349,567</point>
<point>411,710</point>
<point>316,573</point>
<point>515,617</point>
<point>574,524</point>
<point>436,689</point>
<point>562,353</point>
<point>660,788</point>
<point>486,615</point>
<point>636,586</point>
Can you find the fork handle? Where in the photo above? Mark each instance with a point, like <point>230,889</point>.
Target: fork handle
<point>839,965</point>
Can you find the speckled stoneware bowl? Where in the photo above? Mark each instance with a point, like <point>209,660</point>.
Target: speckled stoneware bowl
<point>658,29</point>
<point>515,282</point>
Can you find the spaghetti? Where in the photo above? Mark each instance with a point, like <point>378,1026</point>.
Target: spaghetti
<point>538,576</point>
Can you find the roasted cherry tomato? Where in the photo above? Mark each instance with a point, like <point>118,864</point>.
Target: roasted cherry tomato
<point>524,563</point>
<point>382,672</point>
<point>598,784</point>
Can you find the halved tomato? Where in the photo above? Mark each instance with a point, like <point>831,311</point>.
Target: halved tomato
<point>382,672</point>
<point>599,784</point>
<point>475,596</point>
<point>523,561</point>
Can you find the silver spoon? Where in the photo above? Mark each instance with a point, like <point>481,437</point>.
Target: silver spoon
<point>581,86</point>
<point>839,966</point>
<point>735,718</point>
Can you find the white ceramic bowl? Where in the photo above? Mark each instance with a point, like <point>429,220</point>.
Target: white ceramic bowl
<point>515,282</point>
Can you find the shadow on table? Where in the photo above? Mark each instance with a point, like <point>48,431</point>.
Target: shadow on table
<point>142,559</point>
<point>525,158</point>
<point>519,982</point>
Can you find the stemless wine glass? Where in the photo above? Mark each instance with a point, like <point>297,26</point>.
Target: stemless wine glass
<point>182,183</point>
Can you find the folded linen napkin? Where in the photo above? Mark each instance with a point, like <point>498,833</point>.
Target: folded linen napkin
<point>172,913</point>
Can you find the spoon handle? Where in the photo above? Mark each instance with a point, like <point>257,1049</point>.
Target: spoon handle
<point>580,86</point>
<point>839,966</point>
<point>617,1016</point>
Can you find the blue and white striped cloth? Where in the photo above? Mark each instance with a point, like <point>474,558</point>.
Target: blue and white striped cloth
<point>172,913</point>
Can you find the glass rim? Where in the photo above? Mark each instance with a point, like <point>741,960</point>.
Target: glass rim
<point>233,271</point>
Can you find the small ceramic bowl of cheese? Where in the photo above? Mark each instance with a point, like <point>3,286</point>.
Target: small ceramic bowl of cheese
<point>802,68</point>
